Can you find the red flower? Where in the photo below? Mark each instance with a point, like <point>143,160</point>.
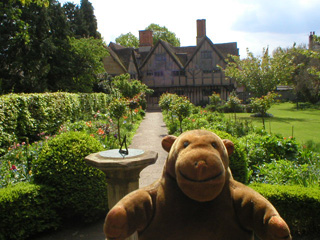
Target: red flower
<point>14,168</point>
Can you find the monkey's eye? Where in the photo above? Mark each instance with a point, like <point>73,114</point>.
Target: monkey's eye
<point>186,144</point>
<point>214,145</point>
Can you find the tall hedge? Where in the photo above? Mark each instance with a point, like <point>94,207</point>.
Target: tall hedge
<point>26,209</point>
<point>80,190</point>
<point>27,115</point>
<point>299,206</point>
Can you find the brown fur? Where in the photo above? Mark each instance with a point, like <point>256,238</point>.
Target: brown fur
<point>196,198</point>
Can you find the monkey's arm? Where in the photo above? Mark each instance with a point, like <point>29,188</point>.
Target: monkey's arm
<point>132,213</point>
<point>257,214</point>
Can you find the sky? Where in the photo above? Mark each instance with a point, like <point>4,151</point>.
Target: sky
<point>253,24</point>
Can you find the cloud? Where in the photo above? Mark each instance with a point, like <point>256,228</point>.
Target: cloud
<point>279,16</point>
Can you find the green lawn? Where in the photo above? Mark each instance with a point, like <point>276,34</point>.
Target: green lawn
<point>303,124</point>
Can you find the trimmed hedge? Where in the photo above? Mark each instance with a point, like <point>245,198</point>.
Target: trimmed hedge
<point>299,206</point>
<point>26,209</point>
<point>80,190</point>
<point>27,115</point>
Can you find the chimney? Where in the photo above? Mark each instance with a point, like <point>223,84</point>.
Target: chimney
<point>145,40</point>
<point>201,30</point>
<point>311,40</point>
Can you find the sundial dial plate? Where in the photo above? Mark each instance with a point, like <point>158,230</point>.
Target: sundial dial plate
<point>114,153</point>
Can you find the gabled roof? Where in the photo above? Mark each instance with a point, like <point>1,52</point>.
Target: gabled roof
<point>199,47</point>
<point>116,58</point>
<point>182,56</point>
<point>170,51</point>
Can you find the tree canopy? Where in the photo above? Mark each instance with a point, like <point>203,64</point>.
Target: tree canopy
<point>128,40</point>
<point>260,75</point>
<point>38,50</point>
<point>164,34</point>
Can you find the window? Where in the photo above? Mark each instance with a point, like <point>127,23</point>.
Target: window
<point>178,73</point>
<point>161,57</point>
<point>158,74</point>
<point>149,73</point>
<point>206,54</point>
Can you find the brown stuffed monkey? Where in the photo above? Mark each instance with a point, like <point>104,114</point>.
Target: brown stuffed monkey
<point>196,198</point>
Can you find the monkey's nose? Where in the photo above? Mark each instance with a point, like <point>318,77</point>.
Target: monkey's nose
<point>199,164</point>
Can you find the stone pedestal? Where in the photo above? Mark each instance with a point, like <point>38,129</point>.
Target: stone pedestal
<point>122,171</point>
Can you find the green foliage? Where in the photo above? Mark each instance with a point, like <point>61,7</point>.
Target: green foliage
<point>164,34</point>
<point>259,75</point>
<point>284,172</point>
<point>215,102</point>
<point>299,206</point>
<point>26,209</point>
<point>263,104</point>
<point>88,52</point>
<point>36,54</point>
<point>265,148</point>
<point>130,87</point>
<point>80,190</point>
<point>181,108</point>
<point>238,160</point>
<point>128,40</point>
<point>26,116</point>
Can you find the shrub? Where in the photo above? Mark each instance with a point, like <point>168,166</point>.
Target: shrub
<point>238,160</point>
<point>299,206</point>
<point>265,148</point>
<point>80,190</point>
<point>286,172</point>
<point>26,209</point>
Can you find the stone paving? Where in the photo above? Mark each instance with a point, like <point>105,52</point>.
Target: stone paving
<point>148,137</point>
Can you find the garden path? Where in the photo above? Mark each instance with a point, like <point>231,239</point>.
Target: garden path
<point>148,137</point>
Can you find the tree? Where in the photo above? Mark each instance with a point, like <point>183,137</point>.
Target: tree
<point>262,105</point>
<point>306,80</point>
<point>260,75</point>
<point>128,40</point>
<point>82,20</point>
<point>87,63</point>
<point>164,34</point>
<point>88,21</point>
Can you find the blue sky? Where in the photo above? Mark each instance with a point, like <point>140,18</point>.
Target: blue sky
<point>253,24</point>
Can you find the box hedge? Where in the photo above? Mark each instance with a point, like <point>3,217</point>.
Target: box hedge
<point>26,209</point>
<point>80,190</point>
<point>299,206</point>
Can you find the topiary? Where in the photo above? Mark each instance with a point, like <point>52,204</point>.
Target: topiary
<point>238,160</point>
<point>81,191</point>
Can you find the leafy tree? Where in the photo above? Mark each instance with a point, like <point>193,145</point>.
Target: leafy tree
<point>31,33</point>
<point>88,21</point>
<point>88,53</point>
<point>262,105</point>
<point>128,40</point>
<point>82,20</point>
<point>260,75</point>
<point>182,108</point>
<point>233,103</point>
<point>215,102</point>
<point>164,34</point>
<point>306,80</point>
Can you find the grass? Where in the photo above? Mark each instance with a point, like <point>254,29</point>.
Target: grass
<point>287,120</point>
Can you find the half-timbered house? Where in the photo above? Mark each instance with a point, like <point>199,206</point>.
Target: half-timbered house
<point>193,71</point>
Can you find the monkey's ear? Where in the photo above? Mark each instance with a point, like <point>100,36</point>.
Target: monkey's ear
<point>167,142</point>
<point>229,146</point>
